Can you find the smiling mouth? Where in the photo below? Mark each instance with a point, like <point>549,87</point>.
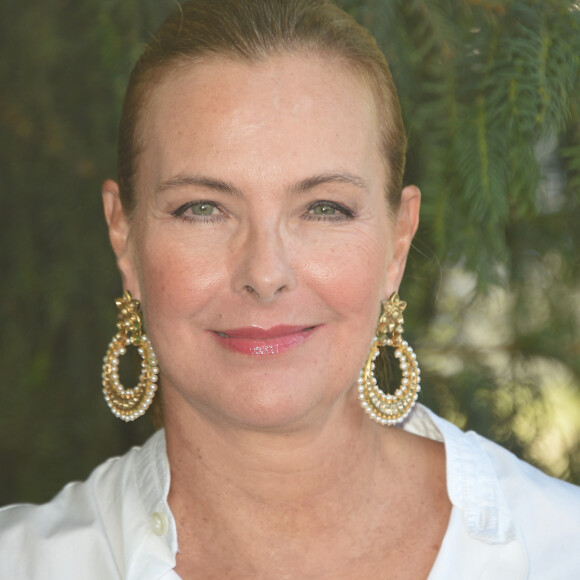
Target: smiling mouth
<point>257,333</point>
<point>257,341</point>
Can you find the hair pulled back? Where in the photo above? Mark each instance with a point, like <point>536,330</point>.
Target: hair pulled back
<point>253,30</point>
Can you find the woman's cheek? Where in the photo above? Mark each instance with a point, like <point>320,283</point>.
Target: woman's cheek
<point>176,274</point>
<point>351,272</point>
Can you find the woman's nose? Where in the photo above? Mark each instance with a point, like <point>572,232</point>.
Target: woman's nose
<point>263,266</point>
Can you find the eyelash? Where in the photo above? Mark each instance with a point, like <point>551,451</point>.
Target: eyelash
<point>343,212</point>
<point>180,212</point>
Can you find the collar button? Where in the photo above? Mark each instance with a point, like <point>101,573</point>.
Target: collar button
<point>158,523</point>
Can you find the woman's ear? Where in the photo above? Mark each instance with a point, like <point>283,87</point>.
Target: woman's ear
<point>120,236</point>
<point>406,223</point>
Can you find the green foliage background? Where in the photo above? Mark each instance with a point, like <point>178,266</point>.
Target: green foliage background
<point>490,97</point>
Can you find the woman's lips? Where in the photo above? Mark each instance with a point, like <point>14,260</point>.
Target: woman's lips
<point>257,341</point>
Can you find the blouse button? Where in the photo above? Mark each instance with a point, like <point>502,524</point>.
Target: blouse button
<point>158,523</point>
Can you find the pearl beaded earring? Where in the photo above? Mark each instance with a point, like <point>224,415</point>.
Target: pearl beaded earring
<point>128,404</point>
<point>385,408</point>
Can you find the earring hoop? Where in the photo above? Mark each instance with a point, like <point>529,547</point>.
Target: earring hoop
<point>128,404</point>
<point>385,408</point>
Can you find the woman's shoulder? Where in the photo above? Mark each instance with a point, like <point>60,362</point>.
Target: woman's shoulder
<point>545,512</point>
<point>53,539</point>
<point>476,457</point>
<point>506,501</point>
<point>545,508</point>
<point>522,485</point>
<point>84,531</point>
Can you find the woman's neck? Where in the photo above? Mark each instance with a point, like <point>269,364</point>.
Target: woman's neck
<point>274,469</point>
<point>320,500</point>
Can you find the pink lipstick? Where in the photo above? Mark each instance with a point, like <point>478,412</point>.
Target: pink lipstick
<point>257,341</point>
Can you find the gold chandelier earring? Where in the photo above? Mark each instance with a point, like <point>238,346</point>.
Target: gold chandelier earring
<point>384,408</point>
<point>128,404</point>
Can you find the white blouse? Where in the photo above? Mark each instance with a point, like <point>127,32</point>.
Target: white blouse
<point>509,521</point>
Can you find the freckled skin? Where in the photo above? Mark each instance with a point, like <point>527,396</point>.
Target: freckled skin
<point>261,128</point>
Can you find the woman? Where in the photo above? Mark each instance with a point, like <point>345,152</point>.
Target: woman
<point>260,222</point>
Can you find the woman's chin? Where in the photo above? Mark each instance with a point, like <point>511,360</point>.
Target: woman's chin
<point>268,416</point>
<point>260,408</point>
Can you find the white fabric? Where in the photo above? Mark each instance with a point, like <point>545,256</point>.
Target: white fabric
<point>509,521</point>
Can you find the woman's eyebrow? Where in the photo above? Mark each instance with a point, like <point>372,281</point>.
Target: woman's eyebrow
<point>184,180</point>
<point>311,182</point>
<point>302,186</point>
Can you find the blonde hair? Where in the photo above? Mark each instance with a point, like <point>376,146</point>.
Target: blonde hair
<point>253,30</point>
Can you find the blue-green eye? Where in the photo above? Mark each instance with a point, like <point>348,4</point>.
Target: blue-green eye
<point>199,211</point>
<point>328,211</point>
<point>201,208</point>
<point>323,209</point>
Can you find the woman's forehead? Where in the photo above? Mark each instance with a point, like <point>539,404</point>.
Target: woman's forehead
<point>293,79</point>
<point>280,103</point>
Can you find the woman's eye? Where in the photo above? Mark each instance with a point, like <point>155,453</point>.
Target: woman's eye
<point>199,211</point>
<point>201,208</point>
<point>324,210</point>
<point>328,211</point>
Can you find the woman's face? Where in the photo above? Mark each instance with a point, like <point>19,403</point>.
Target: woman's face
<point>261,243</point>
